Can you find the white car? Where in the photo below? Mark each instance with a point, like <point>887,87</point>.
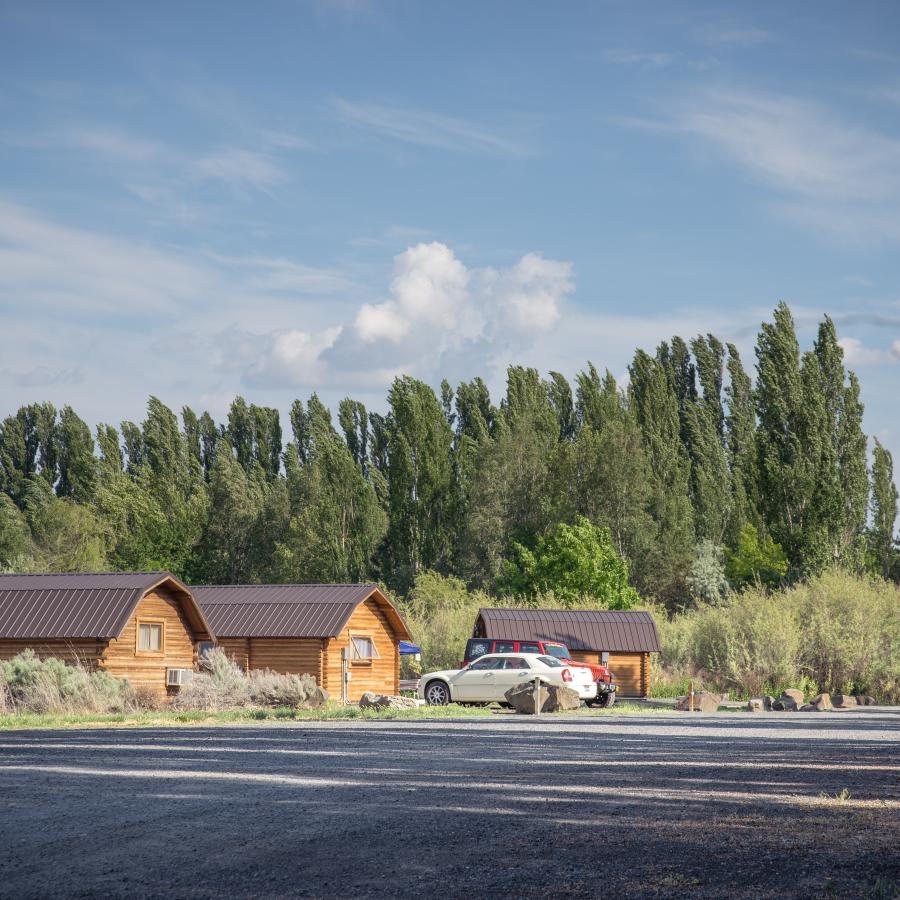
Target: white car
<point>488,678</point>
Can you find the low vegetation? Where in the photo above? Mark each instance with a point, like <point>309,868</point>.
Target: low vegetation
<point>222,685</point>
<point>835,632</point>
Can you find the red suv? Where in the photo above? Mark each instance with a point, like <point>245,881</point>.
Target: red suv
<point>606,683</point>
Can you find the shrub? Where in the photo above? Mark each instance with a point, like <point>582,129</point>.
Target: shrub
<point>31,684</point>
<point>836,632</point>
<point>226,686</point>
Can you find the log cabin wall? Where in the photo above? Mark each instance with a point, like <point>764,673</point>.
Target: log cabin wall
<point>292,656</point>
<point>237,649</point>
<point>86,652</point>
<point>632,670</point>
<point>147,669</point>
<point>380,675</point>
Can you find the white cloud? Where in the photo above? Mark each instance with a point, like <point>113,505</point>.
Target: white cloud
<point>722,34</point>
<point>832,176</point>
<point>236,166</point>
<point>656,60</point>
<point>857,354</point>
<point>428,129</point>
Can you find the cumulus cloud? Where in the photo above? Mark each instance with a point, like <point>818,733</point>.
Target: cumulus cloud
<point>438,313</point>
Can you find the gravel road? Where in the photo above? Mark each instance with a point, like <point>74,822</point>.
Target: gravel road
<point>726,805</point>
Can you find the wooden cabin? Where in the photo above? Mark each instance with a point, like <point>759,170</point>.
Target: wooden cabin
<point>134,625</point>
<point>622,640</point>
<point>328,631</point>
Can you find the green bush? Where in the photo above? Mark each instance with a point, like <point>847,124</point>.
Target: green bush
<point>836,632</point>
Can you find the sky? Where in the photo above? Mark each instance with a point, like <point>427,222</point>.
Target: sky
<point>209,199</point>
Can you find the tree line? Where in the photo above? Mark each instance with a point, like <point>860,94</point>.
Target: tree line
<point>694,477</point>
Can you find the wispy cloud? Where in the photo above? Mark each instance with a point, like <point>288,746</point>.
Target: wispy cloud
<point>858,354</point>
<point>722,34</point>
<point>656,60</point>
<point>831,175</point>
<point>428,129</point>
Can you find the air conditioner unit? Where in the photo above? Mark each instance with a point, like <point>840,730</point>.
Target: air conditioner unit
<point>178,677</point>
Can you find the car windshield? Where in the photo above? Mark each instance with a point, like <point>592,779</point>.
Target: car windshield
<point>550,661</point>
<point>560,651</point>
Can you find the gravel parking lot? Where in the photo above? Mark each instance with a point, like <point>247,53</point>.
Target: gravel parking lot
<point>657,805</point>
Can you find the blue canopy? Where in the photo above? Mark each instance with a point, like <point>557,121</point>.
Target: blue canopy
<point>407,649</point>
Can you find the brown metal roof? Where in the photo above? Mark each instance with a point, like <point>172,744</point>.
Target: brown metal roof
<point>580,629</point>
<point>288,610</point>
<point>82,604</point>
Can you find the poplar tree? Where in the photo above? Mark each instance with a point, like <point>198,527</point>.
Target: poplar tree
<point>656,407</point>
<point>76,460</point>
<point>740,439</point>
<point>882,546</point>
<point>420,482</point>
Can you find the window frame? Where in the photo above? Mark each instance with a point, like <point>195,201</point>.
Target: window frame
<point>363,660</point>
<point>150,623</point>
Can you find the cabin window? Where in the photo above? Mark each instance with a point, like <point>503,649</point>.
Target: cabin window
<point>362,649</point>
<point>150,637</point>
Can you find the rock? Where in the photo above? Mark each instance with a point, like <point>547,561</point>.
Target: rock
<point>370,700</point>
<point>563,698</point>
<point>795,695</point>
<point>319,697</point>
<point>755,704</point>
<point>823,701</point>
<point>808,707</point>
<point>787,703</point>
<point>767,702</point>
<point>864,700</point>
<point>844,701</point>
<point>553,698</point>
<point>704,701</point>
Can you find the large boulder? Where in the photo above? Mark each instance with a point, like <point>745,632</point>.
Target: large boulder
<point>823,701</point>
<point>755,704</point>
<point>795,695</point>
<point>786,703</point>
<point>767,702</point>
<point>864,700</point>
<point>553,698</point>
<point>704,701</point>
<point>844,701</point>
<point>319,697</point>
<point>808,707</point>
<point>370,700</point>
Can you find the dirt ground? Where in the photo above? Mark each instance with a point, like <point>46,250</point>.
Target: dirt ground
<point>725,805</point>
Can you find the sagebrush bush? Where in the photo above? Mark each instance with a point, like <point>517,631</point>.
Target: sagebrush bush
<point>836,632</point>
<point>31,684</point>
<point>224,685</point>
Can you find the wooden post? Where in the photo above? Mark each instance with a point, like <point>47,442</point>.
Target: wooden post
<point>537,696</point>
<point>691,704</point>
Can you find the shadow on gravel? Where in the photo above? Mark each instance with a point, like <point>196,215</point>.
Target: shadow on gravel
<point>441,809</point>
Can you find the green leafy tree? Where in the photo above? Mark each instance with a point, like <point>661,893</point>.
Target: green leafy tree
<point>656,402</point>
<point>76,460</point>
<point>610,476</point>
<point>882,544</point>
<point>740,439</point>
<point>420,482</point>
<point>337,522</point>
<point>573,562</point>
<point>16,548</point>
<point>756,558</point>
<point>707,579</point>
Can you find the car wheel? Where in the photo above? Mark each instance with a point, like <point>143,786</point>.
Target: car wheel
<point>605,701</point>
<point>437,693</point>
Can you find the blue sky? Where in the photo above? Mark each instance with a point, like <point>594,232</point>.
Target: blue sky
<point>199,200</point>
